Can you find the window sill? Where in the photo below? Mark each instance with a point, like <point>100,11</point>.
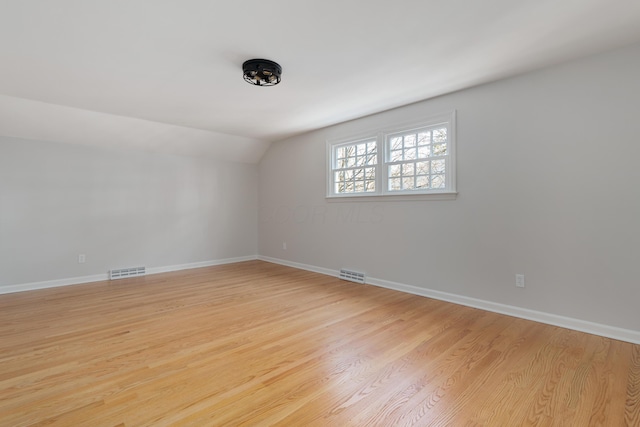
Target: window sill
<point>394,197</point>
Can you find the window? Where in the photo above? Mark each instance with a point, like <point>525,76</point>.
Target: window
<point>355,167</point>
<point>408,160</point>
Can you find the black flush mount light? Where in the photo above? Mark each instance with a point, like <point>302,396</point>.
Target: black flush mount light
<point>261,72</point>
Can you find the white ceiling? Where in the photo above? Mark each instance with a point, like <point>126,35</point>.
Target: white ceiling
<point>157,73</point>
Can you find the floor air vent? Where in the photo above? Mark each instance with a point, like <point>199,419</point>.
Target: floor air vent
<point>352,276</point>
<point>121,273</point>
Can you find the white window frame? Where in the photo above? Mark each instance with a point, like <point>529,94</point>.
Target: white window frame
<point>334,168</point>
<point>382,138</point>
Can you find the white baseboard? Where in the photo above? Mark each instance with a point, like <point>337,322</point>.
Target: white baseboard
<point>167,269</point>
<point>9,289</point>
<point>523,313</point>
<point>100,277</point>
<point>307,267</point>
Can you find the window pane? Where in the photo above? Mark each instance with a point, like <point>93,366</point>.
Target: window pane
<point>372,147</point>
<point>440,149</point>
<point>394,184</point>
<point>437,181</point>
<point>424,138</point>
<point>370,173</point>
<point>422,182</point>
<point>351,162</point>
<point>407,183</point>
<point>348,187</point>
<point>361,149</point>
<point>359,187</point>
<point>437,166</point>
<point>396,155</point>
<point>424,152</point>
<point>394,170</point>
<point>372,159</point>
<point>440,135</point>
<point>409,153</point>
<point>422,168</point>
<point>370,186</point>
<point>340,153</point>
<point>361,160</point>
<point>396,143</point>
<point>410,141</point>
<point>408,169</point>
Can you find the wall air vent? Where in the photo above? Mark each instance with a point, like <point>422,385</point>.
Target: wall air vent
<point>352,276</point>
<point>121,273</point>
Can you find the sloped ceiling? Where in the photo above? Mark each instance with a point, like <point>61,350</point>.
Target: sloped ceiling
<point>166,75</point>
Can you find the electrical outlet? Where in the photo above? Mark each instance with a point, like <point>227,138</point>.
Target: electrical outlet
<point>284,246</point>
<point>520,280</point>
<point>82,258</point>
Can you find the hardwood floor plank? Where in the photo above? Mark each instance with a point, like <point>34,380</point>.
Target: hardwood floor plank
<point>632,404</point>
<point>259,344</point>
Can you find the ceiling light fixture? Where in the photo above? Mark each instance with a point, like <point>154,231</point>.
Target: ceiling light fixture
<point>261,72</point>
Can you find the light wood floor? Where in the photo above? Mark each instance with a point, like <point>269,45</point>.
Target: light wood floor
<point>260,344</point>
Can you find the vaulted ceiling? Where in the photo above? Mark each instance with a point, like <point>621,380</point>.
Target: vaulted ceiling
<point>166,75</point>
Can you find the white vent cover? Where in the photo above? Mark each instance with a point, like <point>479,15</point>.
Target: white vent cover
<point>121,273</point>
<point>352,276</point>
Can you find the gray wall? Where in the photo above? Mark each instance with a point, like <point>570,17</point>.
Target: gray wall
<point>121,209</point>
<point>548,181</point>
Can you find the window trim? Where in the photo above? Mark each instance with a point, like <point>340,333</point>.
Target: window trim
<point>381,137</point>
